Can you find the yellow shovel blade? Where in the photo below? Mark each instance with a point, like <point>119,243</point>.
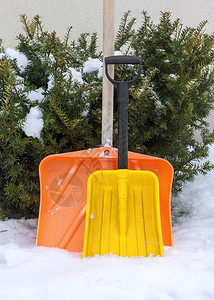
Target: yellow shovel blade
<point>123,214</point>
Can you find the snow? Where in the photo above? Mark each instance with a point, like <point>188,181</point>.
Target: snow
<point>51,57</point>
<point>84,113</point>
<point>173,76</point>
<point>186,270</point>
<point>93,64</point>
<point>50,82</point>
<point>117,53</point>
<point>102,154</point>
<point>158,104</point>
<point>21,59</point>
<point>107,143</point>
<point>34,123</point>
<point>76,76</point>
<point>2,55</point>
<point>36,95</point>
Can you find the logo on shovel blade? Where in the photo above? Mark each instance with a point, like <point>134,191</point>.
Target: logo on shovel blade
<point>66,190</point>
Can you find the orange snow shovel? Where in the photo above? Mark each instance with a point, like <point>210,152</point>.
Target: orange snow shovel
<point>63,186</point>
<point>123,212</point>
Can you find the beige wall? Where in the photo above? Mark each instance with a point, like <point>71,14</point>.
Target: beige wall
<point>86,15</point>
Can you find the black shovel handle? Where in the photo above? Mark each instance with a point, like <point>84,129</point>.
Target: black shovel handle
<point>120,60</point>
<point>123,98</point>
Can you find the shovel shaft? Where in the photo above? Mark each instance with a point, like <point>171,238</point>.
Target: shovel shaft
<point>123,98</point>
<point>108,89</point>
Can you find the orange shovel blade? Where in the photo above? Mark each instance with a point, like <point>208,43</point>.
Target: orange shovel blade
<point>63,184</point>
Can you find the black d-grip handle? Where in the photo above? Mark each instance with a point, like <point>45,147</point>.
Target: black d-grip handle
<point>119,60</point>
<point>122,99</point>
<point>122,59</point>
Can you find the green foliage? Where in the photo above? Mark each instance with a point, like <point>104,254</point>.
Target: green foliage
<point>66,126</point>
<point>171,100</point>
<point>125,32</point>
<point>18,178</point>
<point>174,95</point>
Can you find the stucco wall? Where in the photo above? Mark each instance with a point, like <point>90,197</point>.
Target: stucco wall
<point>86,15</point>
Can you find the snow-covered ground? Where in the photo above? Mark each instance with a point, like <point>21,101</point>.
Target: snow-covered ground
<point>185,272</point>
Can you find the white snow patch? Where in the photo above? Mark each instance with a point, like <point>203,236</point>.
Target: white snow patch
<point>102,154</point>
<point>158,104</point>
<point>118,53</point>
<point>34,123</point>
<point>173,76</point>
<point>36,95</point>
<point>2,55</point>
<point>51,57</point>
<point>190,148</point>
<point>50,82</point>
<point>84,113</point>
<point>93,64</point>
<point>76,75</point>
<point>21,59</point>
<point>19,232</point>
<point>108,143</point>
<point>20,86</point>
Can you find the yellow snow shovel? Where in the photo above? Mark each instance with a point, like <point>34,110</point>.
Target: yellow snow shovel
<point>123,211</point>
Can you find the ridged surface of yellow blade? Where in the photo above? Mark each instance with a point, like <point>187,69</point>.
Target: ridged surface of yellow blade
<point>123,214</point>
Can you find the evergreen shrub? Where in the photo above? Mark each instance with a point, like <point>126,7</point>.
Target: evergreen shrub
<point>169,103</point>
